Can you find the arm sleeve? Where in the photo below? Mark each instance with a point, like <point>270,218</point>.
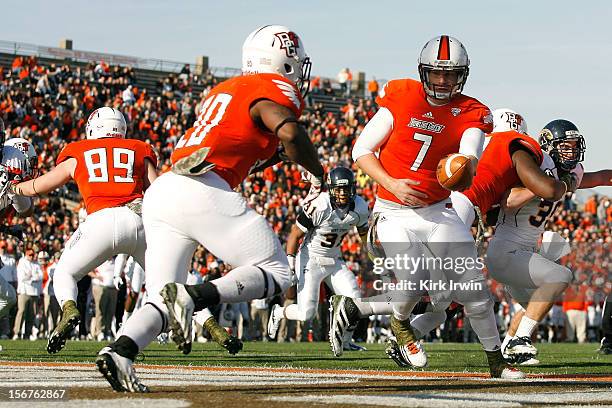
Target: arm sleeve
<point>472,142</point>
<point>281,91</point>
<point>22,204</point>
<point>66,153</point>
<point>150,154</point>
<point>374,135</point>
<point>304,222</point>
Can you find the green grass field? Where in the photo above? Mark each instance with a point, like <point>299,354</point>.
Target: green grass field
<point>555,358</point>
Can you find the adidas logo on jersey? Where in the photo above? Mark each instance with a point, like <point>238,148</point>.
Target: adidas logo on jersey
<point>428,115</point>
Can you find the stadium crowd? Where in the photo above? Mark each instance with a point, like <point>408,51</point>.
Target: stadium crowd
<point>48,104</point>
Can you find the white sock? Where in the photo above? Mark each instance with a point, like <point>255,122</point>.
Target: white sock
<point>368,308</point>
<point>426,322</point>
<point>201,316</point>
<point>526,327</point>
<point>506,341</point>
<point>144,326</point>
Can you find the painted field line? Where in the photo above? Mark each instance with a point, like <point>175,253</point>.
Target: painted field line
<point>383,374</point>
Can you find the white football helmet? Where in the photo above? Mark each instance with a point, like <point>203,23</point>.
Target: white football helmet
<point>505,120</point>
<point>105,122</point>
<point>447,54</point>
<point>19,159</point>
<point>276,49</point>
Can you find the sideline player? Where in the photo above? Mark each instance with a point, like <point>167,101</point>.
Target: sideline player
<point>18,161</point>
<point>323,225</point>
<point>241,124</point>
<point>111,173</point>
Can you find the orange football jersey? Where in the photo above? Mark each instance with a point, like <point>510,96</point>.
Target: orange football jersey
<point>110,172</point>
<point>225,127</point>
<point>495,173</point>
<point>423,134</point>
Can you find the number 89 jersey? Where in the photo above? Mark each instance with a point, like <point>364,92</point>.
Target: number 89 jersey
<point>224,126</point>
<point>525,225</point>
<point>109,172</point>
<point>325,227</point>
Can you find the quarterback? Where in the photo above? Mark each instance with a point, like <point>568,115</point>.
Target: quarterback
<point>417,125</point>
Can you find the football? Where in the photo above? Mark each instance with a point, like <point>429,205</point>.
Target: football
<point>455,172</point>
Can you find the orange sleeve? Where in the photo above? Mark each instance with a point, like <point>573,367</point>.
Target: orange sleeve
<point>279,90</point>
<point>531,146</point>
<point>66,153</point>
<point>149,153</point>
<point>480,118</point>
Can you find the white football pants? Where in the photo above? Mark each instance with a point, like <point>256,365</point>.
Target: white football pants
<point>311,270</point>
<point>180,211</point>
<point>101,236</point>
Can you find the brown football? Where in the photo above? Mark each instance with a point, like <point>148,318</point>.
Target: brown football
<point>455,172</point>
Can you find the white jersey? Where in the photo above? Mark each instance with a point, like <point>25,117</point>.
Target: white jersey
<point>325,227</point>
<point>525,225</point>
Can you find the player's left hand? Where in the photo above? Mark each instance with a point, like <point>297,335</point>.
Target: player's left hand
<point>117,282</point>
<point>316,185</point>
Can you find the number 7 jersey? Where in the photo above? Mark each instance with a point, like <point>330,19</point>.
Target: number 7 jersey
<point>109,172</point>
<point>423,134</point>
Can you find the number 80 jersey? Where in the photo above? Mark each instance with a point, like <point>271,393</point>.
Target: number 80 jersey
<point>224,126</point>
<point>325,227</point>
<point>110,172</point>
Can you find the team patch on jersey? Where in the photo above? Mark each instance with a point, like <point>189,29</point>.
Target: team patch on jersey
<point>455,111</point>
<point>424,125</point>
<point>289,91</point>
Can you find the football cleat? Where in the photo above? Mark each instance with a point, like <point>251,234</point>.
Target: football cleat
<point>521,345</point>
<point>350,346</point>
<point>605,347</point>
<point>343,316</point>
<point>232,344</point>
<point>119,371</point>
<point>70,319</point>
<point>409,347</point>
<point>499,368</point>
<point>525,360</point>
<point>393,351</point>
<point>180,310</point>
<point>274,321</point>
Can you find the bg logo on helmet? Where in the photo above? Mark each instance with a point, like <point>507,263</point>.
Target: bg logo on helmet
<point>289,42</point>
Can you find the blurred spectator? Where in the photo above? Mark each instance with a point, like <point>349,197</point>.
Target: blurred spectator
<point>373,88</point>
<point>9,273</point>
<point>105,297</point>
<point>29,288</point>
<point>343,78</point>
<point>259,319</point>
<point>575,307</point>
<point>51,312</point>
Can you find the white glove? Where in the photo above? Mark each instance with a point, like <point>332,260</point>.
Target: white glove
<point>293,277</point>
<point>117,282</point>
<point>316,185</point>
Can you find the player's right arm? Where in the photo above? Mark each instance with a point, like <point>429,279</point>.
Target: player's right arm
<point>537,181</point>
<point>282,121</point>
<point>60,175</point>
<point>293,243</point>
<point>373,136</point>
<point>517,198</point>
<point>150,173</point>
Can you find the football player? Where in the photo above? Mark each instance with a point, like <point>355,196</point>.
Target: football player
<point>531,275</point>
<point>486,192</point>
<point>240,126</point>
<point>111,173</point>
<point>323,225</point>
<point>18,161</point>
<point>418,124</point>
